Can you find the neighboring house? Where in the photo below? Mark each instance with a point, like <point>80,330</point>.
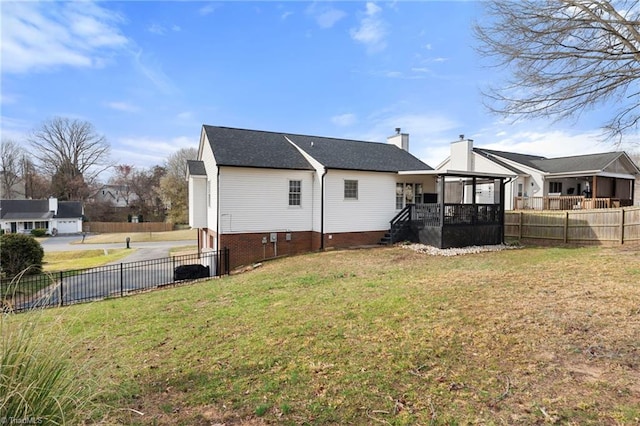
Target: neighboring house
<point>580,181</point>
<point>117,195</point>
<point>57,217</point>
<point>265,194</point>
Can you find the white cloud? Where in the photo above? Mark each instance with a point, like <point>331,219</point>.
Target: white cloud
<point>344,120</point>
<point>39,36</point>
<point>207,10</point>
<point>123,106</point>
<point>148,152</point>
<point>372,30</point>
<point>325,16</point>
<point>285,15</point>
<point>157,29</point>
<point>153,72</point>
<point>185,115</point>
<point>553,143</point>
<point>161,29</point>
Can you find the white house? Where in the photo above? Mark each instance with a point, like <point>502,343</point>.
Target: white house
<point>265,194</point>
<point>610,176</point>
<point>57,217</point>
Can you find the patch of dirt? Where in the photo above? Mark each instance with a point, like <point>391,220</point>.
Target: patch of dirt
<point>168,408</point>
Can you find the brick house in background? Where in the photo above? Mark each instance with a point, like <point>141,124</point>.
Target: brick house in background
<point>267,194</point>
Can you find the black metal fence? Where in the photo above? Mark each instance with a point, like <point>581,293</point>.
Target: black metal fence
<point>26,292</point>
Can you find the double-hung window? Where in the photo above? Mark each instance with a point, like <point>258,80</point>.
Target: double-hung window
<point>350,189</point>
<point>295,192</point>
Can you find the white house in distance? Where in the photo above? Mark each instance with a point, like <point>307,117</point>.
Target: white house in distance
<point>609,179</point>
<point>57,217</point>
<point>265,194</point>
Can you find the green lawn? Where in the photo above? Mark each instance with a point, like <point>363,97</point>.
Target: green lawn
<point>380,336</point>
<point>137,237</point>
<point>66,260</point>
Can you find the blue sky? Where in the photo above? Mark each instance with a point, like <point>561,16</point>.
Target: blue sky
<point>148,74</point>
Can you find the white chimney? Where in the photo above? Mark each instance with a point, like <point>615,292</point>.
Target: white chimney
<point>53,205</point>
<point>461,155</point>
<point>401,140</point>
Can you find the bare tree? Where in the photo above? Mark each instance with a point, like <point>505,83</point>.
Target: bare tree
<point>123,175</point>
<point>37,186</point>
<point>72,153</point>
<point>146,185</point>
<point>11,174</point>
<point>174,186</point>
<point>565,56</point>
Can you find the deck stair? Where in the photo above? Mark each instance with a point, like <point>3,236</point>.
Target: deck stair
<point>400,227</point>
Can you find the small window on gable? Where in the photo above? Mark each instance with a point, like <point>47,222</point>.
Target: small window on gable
<point>350,189</point>
<point>295,192</point>
<point>209,193</point>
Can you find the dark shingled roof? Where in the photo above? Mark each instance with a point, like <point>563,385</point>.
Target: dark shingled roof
<point>254,148</point>
<point>527,160</point>
<point>574,163</point>
<point>196,168</point>
<point>38,209</point>
<point>69,209</point>
<point>491,156</point>
<point>577,163</point>
<point>358,155</point>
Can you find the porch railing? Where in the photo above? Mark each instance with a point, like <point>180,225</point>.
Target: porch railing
<point>457,214</point>
<point>567,203</point>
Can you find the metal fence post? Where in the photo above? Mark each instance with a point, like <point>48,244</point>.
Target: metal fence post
<point>61,290</point>
<point>121,280</point>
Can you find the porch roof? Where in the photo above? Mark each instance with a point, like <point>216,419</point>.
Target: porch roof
<point>456,173</point>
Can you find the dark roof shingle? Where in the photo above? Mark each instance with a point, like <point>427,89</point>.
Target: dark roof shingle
<point>255,148</point>
<point>358,155</point>
<point>38,209</point>
<point>196,168</point>
<point>252,148</point>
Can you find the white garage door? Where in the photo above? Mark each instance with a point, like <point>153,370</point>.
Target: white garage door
<point>67,226</point>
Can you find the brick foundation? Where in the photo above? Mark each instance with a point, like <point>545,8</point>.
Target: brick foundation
<point>245,249</point>
<point>352,239</point>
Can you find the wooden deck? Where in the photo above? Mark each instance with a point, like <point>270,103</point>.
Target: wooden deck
<point>567,203</point>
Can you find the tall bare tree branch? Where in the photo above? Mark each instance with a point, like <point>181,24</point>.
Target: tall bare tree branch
<point>565,57</point>
<point>71,153</point>
<point>11,173</point>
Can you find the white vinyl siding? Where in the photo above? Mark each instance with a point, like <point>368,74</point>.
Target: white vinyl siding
<point>210,189</point>
<point>198,201</point>
<point>257,200</point>
<point>374,208</point>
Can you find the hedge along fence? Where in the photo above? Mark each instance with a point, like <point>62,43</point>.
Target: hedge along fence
<point>111,227</point>
<point>599,226</point>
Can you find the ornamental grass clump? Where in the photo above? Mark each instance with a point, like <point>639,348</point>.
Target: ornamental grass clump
<point>38,385</point>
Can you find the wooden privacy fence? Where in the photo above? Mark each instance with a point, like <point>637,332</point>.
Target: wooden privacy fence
<point>602,226</point>
<point>111,227</point>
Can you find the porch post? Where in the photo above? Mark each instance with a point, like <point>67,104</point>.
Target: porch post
<point>502,213</point>
<point>441,201</point>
